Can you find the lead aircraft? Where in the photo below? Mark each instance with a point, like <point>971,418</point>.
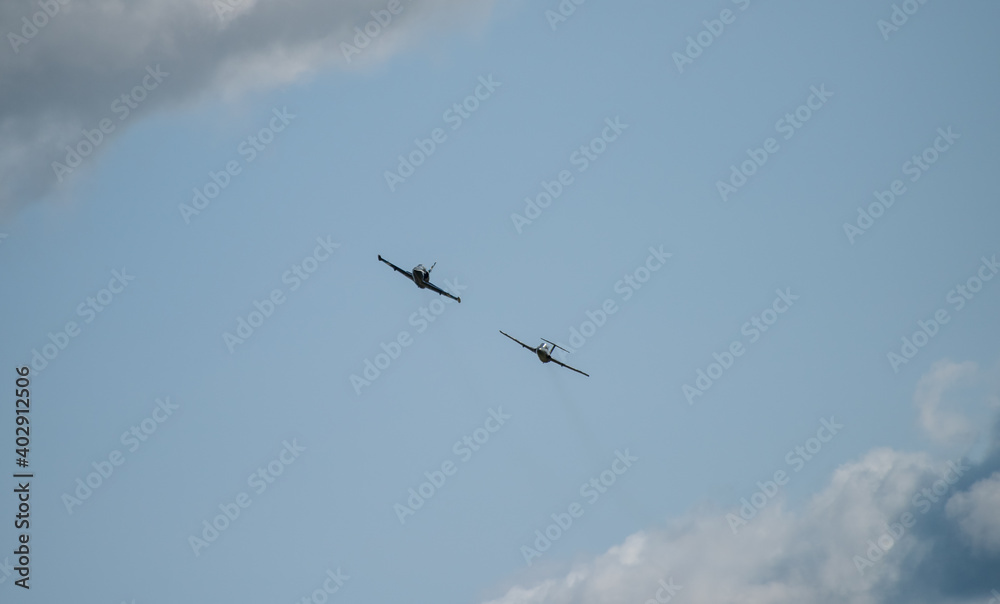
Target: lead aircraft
<point>421,276</point>
<point>544,352</point>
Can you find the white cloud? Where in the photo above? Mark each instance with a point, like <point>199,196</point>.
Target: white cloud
<point>781,557</point>
<point>910,518</point>
<point>943,423</point>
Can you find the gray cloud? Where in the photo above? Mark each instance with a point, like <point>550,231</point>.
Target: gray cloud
<point>889,527</point>
<point>65,77</point>
<point>978,514</point>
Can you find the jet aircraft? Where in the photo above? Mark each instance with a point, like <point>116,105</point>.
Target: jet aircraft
<point>544,352</point>
<point>421,276</point>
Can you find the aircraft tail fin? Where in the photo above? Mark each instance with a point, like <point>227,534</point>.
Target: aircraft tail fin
<point>555,345</point>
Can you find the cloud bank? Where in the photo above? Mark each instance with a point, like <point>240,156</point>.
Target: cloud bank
<point>64,63</point>
<point>889,527</point>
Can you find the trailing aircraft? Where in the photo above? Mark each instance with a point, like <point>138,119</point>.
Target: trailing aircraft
<point>544,352</point>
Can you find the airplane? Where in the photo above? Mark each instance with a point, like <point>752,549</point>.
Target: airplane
<point>421,276</point>
<point>544,352</point>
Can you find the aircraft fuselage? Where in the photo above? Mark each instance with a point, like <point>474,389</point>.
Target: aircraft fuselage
<point>421,276</point>
<point>544,354</point>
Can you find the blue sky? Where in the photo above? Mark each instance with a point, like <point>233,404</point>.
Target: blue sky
<point>312,199</point>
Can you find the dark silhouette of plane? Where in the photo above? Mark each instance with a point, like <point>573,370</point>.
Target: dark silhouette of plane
<point>544,352</point>
<point>421,276</point>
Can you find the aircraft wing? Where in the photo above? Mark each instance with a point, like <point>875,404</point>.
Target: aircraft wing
<point>566,366</point>
<point>396,268</point>
<point>520,342</point>
<point>442,292</point>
